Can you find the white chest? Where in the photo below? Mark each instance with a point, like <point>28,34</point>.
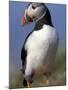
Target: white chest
<point>41,48</point>
<point>39,40</point>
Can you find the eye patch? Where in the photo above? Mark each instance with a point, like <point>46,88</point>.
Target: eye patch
<point>33,7</point>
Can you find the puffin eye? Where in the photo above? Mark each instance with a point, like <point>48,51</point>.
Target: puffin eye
<point>33,7</point>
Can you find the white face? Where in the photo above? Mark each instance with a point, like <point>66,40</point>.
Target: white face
<point>34,12</point>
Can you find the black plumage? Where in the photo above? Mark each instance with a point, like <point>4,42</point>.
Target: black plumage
<point>24,54</point>
<point>23,58</point>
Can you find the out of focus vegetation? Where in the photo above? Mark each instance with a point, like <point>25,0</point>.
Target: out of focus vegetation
<point>57,78</point>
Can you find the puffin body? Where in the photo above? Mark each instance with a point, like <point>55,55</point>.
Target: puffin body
<point>39,49</point>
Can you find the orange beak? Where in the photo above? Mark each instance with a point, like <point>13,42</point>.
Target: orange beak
<point>24,21</point>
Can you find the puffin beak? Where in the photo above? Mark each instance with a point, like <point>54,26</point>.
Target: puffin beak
<point>24,21</point>
<point>28,84</point>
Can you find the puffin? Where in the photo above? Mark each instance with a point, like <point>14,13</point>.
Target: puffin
<point>40,46</point>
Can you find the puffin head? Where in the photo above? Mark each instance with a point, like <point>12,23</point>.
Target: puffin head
<point>34,12</point>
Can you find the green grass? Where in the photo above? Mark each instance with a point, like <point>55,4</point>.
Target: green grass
<point>58,76</point>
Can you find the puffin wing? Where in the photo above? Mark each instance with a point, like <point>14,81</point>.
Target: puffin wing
<point>24,54</point>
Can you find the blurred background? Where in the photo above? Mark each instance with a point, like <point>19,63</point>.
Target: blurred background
<point>17,35</point>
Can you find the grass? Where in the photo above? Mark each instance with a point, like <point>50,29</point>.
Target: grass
<point>57,78</point>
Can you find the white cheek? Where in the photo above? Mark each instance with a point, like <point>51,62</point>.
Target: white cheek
<point>38,12</point>
<point>30,11</point>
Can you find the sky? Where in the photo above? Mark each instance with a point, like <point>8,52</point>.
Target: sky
<point>18,33</point>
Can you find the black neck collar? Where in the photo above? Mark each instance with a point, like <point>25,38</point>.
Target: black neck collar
<point>45,20</point>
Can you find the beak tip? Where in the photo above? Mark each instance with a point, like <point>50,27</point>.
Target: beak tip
<point>23,21</point>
